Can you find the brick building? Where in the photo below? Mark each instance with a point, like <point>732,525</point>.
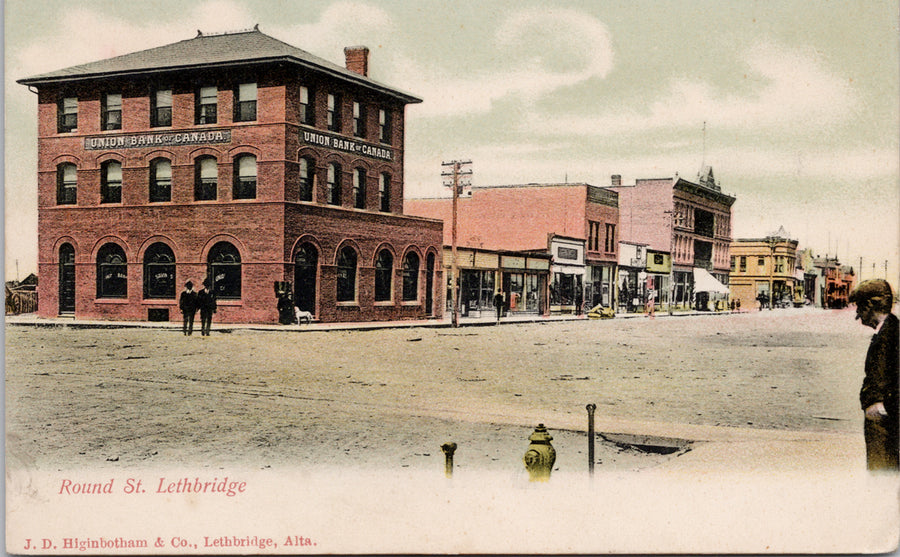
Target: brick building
<point>691,221</point>
<point>525,217</point>
<point>235,157</point>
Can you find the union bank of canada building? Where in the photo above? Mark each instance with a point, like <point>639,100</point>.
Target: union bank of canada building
<point>236,158</point>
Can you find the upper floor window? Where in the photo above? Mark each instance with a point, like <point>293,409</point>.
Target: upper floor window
<point>594,236</point>
<point>610,244</point>
<point>359,188</point>
<point>244,177</point>
<point>112,272</point>
<point>111,112</point>
<point>384,192</point>
<point>743,267</point>
<point>760,262</point>
<point>67,115</point>
<point>333,115</point>
<point>206,108</point>
<point>307,169</point>
<point>66,184</point>
<point>161,108</point>
<point>384,126</point>
<point>359,119</point>
<point>333,191</point>
<point>206,179</point>
<point>245,104</point>
<point>111,182</point>
<point>307,112</point>
<point>160,180</point>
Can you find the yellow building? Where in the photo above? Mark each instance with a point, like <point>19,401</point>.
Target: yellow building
<point>762,271</point>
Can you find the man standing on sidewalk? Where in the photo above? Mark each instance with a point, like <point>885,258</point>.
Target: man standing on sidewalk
<point>879,393</point>
<point>187,303</point>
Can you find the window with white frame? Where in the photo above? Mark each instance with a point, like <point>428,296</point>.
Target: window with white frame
<point>206,109</point>
<point>245,104</point>
<point>67,111</point>
<point>161,108</point>
<point>111,112</point>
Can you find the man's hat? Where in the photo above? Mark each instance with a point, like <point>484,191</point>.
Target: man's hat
<point>873,290</point>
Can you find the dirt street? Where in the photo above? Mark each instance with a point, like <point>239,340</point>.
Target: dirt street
<point>389,398</point>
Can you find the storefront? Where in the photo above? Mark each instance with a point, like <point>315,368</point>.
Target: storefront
<point>520,277</point>
<point>568,275</point>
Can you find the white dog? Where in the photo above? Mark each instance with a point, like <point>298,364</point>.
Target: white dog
<point>300,316</point>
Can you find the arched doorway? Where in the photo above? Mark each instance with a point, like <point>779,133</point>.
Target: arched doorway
<point>66,279</point>
<point>429,285</point>
<point>306,267</point>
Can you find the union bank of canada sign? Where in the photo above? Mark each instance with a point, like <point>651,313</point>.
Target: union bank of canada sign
<point>167,139</point>
<point>353,146</point>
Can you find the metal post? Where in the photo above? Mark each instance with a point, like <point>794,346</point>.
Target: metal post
<point>590,410</point>
<point>449,449</point>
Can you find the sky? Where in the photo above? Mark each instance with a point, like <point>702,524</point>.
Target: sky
<point>794,104</point>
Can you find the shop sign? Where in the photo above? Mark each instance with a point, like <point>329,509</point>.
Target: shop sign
<point>346,145</point>
<point>137,140</point>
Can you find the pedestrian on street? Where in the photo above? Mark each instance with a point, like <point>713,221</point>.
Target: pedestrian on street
<point>187,303</point>
<point>878,396</point>
<point>206,301</point>
<point>498,303</point>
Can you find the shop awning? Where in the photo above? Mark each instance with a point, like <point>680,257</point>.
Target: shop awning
<point>705,282</point>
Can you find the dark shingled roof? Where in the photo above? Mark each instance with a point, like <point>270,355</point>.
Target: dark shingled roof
<point>209,51</point>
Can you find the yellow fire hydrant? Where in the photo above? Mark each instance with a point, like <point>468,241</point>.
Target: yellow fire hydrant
<point>540,456</point>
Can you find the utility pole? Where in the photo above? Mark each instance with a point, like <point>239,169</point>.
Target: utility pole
<point>456,175</point>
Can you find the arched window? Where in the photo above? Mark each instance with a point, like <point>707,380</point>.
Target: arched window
<point>112,272</point>
<point>66,278</point>
<point>66,184</point>
<point>111,182</point>
<point>160,180</point>
<point>384,192</point>
<point>224,271</point>
<point>307,173</point>
<point>359,188</point>
<point>159,272</point>
<point>206,179</point>
<point>244,177</point>
<point>384,269</point>
<point>333,193</point>
<point>411,277</point>
<point>306,267</point>
<point>346,275</point>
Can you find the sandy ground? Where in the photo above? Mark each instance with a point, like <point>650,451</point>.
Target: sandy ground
<point>129,398</point>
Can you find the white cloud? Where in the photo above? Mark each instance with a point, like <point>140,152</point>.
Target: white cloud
<point>795,89</point>
<point>536,52</point>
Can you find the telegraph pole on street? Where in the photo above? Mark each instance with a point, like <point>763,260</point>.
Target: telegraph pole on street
<point>456,175</point>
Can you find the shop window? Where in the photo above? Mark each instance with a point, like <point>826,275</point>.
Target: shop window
<point>66,184</point>
<point>307,174</point>
<point>411,277</point>
<point>384,271</point>
<point>111,182</point>
<point>333,114</point>
<point>159,272</point>
<point>67,115</point>
<point>244,177</point>
<point>206,107</point>
<point>160,180</point>
<point>161,108</point>
<point>224,271</point>
<point>111,112</point>
<point>333,185</point>
<point>384,126</point>
<point>245,103</point>
<point>359,188</point>
<point>384,192</point>
<point>206,177</point>
<point>307,110</point>
<point>112,272</point>
<point>346,275</point>
<point>359,119</point>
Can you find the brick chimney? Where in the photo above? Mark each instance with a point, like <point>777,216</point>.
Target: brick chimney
<point>616,180</point>
<point>357,58</point>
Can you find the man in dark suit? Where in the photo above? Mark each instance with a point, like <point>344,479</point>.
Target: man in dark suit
<point>878,396</point>
<point>187,303</point>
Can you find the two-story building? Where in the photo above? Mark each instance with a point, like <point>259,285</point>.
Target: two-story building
<point>762,271</point>
<point>236,158</point>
